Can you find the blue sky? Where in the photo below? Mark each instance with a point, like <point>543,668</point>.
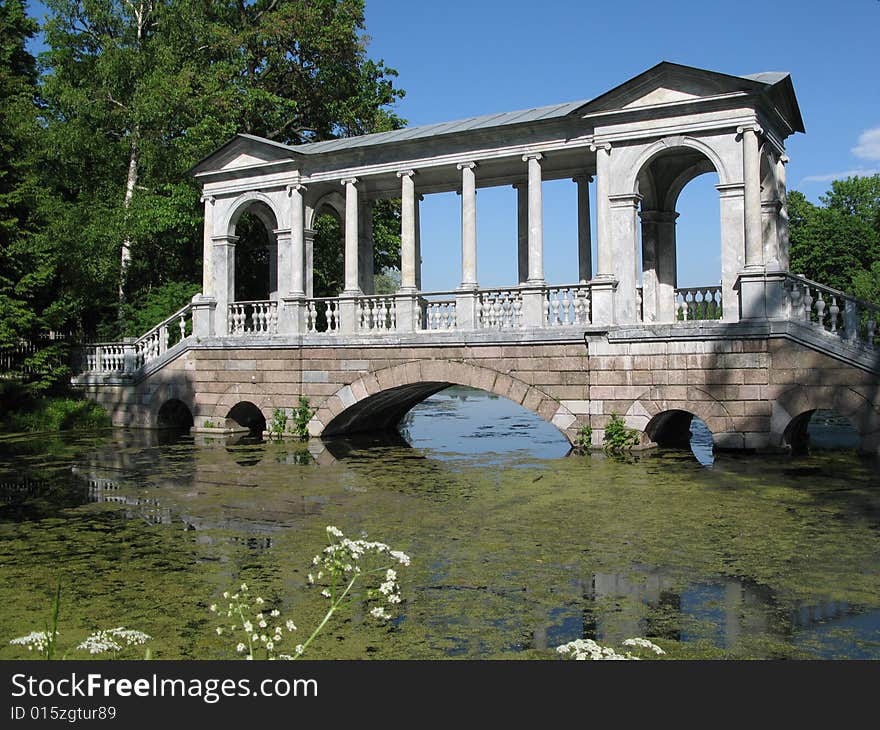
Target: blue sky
<point>458,59</point>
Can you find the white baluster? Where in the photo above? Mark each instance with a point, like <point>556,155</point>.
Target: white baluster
<point>834,311</point>
<point>182,325</point>
<point>808,303</point>
<point>820,309</point>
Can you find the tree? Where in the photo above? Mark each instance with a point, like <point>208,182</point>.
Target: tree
<point>837,242</point>
<point>137,91</point>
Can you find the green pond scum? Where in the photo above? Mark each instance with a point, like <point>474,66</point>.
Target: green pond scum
<point>516,547</point>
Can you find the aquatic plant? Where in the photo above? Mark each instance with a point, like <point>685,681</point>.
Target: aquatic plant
<point>587,649</point>
<point>618,436</point>
<point>278,425</point>
<point>301,417</point>
<point>337,569</point>
<point>584,438</point>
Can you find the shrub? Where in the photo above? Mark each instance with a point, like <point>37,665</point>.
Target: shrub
<point>618,436</point>
<point>301,417</point>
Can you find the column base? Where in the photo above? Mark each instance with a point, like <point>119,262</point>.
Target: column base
<point>602,292</point>
<point>203,309</point>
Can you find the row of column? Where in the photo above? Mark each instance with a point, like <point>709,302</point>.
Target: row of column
<point>530,231</point>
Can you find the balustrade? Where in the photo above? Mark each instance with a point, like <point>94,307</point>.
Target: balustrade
<point>322,315</point>
<point>698,303</point>
<point>438,314</point>
<point>253,318</point>
<point>376,314</point>
<point>567,305</point>
<point>831,310</point>
<point>499,309</point>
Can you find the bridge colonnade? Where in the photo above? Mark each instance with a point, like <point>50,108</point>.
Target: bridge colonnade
<point>641,142</point>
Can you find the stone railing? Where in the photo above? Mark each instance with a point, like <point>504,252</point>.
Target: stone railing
<point>438,314</point>
<point>567,305</point>
<point>697,303</point>
<point>322,315</point>
<point>499,309</point>
<point>166,334</point>
<point>840,314</point>
<point>128,357</point>
<point>253,318</point>
<point>376,314</point>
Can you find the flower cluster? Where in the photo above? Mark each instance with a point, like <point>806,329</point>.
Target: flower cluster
<point>587,649</point>
<point>257,627</point>
<point>344,560</point>
<point>38,640</point>
<point>115,640</point>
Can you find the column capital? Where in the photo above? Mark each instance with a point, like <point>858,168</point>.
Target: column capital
<point>207,199</point>
<point>405,173</point>
<point>349,181</point>
<point>532,156</point>
<point>281,231</point>
<point>298,187</point>
<point>522,185</point>
<point>600,146</point>
<point>466,165</point>
<point>224,240</point>
<point>628,200</point>
<point>730,190</point>
<point>582,179</point>
<point>756,128</point>
<point>658,216</point>
<point>784,159</point>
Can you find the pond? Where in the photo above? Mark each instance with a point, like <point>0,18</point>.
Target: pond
<point>517,545</point>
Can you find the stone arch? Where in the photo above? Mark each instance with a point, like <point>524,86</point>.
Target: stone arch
<point>174,413</point>
<point>335,202</point>
<point>232,396</point>
<point>379,399</point>
<point>246,414</point>
<point>670,144</point>
<point>790,407</point>
<point>245,202</point>
<point>164,392</point>
<point>652,410</point>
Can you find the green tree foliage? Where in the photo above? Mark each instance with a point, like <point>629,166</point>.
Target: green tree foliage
<point>137,91</point>
<point>837,243</point>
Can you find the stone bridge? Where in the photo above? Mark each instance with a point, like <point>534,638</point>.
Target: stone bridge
<point>752,356</point>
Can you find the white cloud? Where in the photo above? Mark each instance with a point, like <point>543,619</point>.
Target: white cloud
<point>828,177</point>
<point>868,146</point>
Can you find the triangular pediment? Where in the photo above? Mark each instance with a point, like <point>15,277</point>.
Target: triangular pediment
<point>243,152</point>
<point>669,83</point>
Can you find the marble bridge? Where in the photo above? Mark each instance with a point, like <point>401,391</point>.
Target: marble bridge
<point>753,356</point>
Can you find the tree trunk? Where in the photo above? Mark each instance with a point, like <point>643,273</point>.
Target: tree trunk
<point>130,184</point>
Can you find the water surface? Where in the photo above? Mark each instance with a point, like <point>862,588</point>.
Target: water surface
<point>517,545</point>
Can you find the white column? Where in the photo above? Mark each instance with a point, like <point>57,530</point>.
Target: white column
<point>752,196</point>
<point>309,239</point>
<point>522,231</point>
<point>351,236</point>
<point>408,207</point>
<point>732,247</point>
<point>623,210</point>
<point>223,258</point>
<point>585,253</point>
<point>468,225</point>
<point>604,253</point>
<point>418,224</point>
<point>297,232</point>
<point>208,248</point>
<point>536,220</point>
<point>782,223</point>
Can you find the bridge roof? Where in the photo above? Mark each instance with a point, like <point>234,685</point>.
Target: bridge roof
<point>775,84</point>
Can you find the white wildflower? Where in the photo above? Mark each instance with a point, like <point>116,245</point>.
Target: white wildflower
<point>645,644</point>
<point>299,649</point>
<point>38,640</point>
<point>240,648</point>
<point>270,645</point>
<point>219,630</point>
<point>400,557</point>
<point>325,593</point>
<point>290,625</point>
<point>260,601</point>
<point>274,613</point>
<point>248,627</point>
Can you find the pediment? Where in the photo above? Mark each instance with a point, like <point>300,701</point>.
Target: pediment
<point>243,152</point>
<point>669,83</point>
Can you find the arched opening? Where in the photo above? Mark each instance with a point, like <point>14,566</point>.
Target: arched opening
<point>680,231</point>
<point>329,253</point>
<point>447,418</point>
<point>175,414</point>
<point>245,416</point>
<point>256,253</point>
<point>682,430</point>
<point>821,429</point>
